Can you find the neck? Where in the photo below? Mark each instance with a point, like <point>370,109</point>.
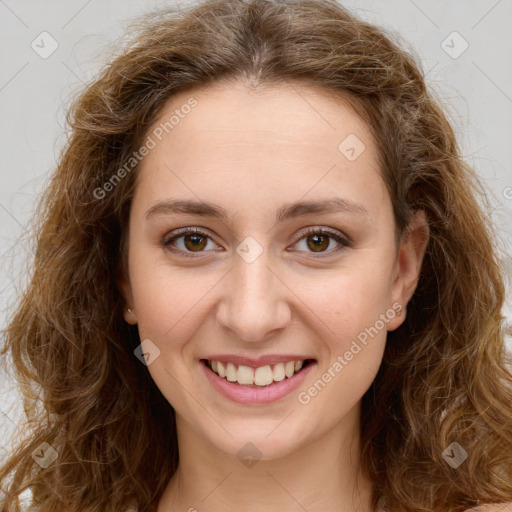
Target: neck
<point>324,475</point>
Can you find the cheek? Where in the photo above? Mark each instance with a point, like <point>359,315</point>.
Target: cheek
<point>354,331</point>
<point>172,304</point>
<point>352,301</point>
<point>171,307</point>
<point>168,301</point>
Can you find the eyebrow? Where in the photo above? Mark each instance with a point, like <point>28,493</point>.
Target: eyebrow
<point>285,212</point>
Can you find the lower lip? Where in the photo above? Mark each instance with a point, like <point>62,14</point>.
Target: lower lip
<point>264,395</point>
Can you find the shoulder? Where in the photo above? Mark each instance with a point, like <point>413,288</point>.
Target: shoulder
<point>502,507</point>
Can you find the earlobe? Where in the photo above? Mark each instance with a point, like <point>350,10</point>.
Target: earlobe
<point>129,316</point>
<point>125,289</point>
<point>409,261</point>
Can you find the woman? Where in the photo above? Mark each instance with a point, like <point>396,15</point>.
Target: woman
<point>262,281</point>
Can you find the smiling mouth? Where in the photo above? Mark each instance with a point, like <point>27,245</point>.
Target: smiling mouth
<point>262,376</point>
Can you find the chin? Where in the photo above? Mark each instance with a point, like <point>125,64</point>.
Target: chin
<point>266,443</point>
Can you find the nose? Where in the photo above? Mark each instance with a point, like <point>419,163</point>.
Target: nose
<point>255,301</point>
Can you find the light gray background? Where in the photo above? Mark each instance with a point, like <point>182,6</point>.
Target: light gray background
<point>34,91</point>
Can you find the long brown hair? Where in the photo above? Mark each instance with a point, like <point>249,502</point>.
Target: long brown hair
<point>444,376</point>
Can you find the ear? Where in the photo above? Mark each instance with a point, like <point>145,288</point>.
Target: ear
<point>410,255</point>
<point>125,288</point>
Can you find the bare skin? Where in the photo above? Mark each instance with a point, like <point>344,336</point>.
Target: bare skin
<point>252,152</point>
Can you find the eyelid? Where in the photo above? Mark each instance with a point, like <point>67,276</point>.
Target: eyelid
<point>178,233</point>
<point>337,236</point>
<point>343,240</point>
<point>324,230</point>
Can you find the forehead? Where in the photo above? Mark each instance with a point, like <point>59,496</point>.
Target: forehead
<point>284,114</point>
<point>277,141</point>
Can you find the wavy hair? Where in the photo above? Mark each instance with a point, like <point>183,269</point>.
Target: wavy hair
<point>444,377</point>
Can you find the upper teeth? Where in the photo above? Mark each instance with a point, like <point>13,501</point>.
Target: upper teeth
<point>262,376</point>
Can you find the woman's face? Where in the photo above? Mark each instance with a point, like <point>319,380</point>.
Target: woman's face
<point>254,291</point>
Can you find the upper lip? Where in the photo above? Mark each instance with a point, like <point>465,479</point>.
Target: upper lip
<point>256,362</point>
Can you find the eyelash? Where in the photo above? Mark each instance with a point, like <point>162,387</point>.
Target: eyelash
<point>344,242</point>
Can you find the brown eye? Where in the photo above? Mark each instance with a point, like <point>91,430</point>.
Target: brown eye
<point>187,241</point>
<point>195,241</point>
<point>318,242</point>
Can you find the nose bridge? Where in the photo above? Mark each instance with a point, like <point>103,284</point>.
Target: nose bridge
<point>253,304</point>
